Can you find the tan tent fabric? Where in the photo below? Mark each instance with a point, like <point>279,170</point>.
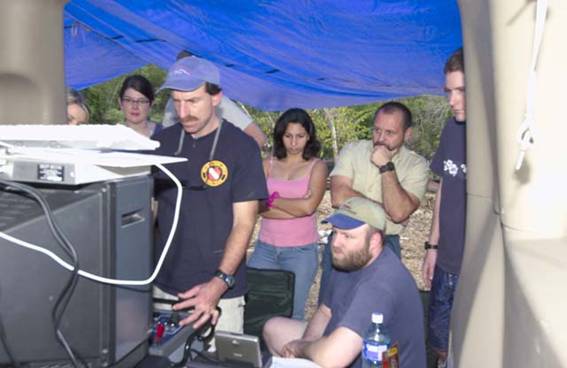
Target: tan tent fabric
<point>509,310</point>
<point>32,92</point>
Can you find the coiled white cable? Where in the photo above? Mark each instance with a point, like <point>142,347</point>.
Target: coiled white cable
<point>106,280</point>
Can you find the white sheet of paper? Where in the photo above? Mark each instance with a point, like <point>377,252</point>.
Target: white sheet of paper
<point>278,362</point>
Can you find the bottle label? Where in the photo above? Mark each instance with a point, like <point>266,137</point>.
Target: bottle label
<point>391,357</point>
<point>374,352</point>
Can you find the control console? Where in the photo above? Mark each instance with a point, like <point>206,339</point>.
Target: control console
<point>168,338</point>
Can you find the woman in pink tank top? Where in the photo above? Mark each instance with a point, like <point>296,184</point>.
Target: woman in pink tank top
<point>296,182</point>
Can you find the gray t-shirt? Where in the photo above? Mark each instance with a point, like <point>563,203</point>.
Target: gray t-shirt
<point>385,286</point>
<point>450,164</point>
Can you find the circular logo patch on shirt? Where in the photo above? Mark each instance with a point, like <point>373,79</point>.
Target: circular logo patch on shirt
<point>214,173</point>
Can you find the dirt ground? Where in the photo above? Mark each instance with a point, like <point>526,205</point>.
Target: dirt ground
<point>412,239</point>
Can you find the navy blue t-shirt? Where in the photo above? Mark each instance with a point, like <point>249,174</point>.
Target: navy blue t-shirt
<point>449,162</point>
<point>206,216</point>
<point>385,286</point>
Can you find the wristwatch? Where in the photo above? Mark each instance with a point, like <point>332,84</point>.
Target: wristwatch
<point>229,280</point>
<point>389,166</point>
<point>428,246</point>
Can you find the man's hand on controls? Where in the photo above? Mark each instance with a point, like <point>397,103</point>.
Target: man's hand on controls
<point>381,155</point>
<point>204,298</point>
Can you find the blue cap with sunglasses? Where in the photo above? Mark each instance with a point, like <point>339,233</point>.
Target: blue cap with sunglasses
<point>189,73</point>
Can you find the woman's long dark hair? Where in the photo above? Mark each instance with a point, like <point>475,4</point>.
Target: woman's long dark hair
<point>298,116</point>
<point>138,83</point>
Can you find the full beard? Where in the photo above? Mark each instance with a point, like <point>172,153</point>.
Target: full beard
<point>352,261</point>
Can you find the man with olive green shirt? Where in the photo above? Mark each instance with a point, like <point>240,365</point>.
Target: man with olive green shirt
<point>383,170</point>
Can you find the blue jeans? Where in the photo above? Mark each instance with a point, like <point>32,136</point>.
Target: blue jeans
<point>390,241</point>
<point>302,261</point>
<point>443,288</point>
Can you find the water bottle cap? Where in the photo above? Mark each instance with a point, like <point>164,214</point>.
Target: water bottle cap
<point>377,318</point>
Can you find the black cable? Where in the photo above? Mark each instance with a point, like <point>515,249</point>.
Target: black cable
<point>65,295</point>
<point>197,334</point>
<point>205,357</point>
<point>4,339</point>
<point>67,292</point>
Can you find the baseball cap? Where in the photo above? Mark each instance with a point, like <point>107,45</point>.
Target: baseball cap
<point>189,73</point>
<point>357,211</point>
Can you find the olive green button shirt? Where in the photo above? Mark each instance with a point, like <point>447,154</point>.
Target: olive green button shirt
<point>354,163</point>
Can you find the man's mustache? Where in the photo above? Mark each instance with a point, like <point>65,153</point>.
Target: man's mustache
<point>378,144</point>
<point>188,119</point>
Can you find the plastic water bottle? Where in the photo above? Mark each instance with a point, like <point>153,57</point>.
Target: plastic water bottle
<point>376,342</point>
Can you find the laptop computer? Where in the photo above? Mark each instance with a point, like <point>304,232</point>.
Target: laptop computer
<point>238,348</point>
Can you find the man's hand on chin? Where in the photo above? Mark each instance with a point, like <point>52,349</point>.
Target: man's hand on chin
<point>381,155</point>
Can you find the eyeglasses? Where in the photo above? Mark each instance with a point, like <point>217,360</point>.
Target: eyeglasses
<point>132,102</point>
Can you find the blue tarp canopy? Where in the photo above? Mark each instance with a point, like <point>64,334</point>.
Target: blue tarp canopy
<point>273,54</point>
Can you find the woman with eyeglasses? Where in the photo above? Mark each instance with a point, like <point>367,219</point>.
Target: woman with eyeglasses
<point>136,98</point>
<point>296,178</point>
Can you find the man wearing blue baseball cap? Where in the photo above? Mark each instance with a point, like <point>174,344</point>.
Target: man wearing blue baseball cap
<point>223,180</point>
<point>366,278</point>
<point>227,109</point>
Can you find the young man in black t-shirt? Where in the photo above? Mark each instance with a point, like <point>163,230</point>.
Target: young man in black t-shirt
<point>444,250</point>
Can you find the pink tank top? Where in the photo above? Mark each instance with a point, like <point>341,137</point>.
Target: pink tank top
<point>290,232</point>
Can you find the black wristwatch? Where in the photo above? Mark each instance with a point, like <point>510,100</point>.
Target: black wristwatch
<point>389,166</point>
<point>428,246</point>
<point>229,280</point>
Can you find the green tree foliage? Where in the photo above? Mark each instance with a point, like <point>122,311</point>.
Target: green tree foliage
<point>266,120</point>
<point>349,123</point>
<point>429,116</point>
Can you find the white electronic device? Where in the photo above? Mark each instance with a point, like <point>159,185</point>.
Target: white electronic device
<point>73,155</point>
<point>89,136</point>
